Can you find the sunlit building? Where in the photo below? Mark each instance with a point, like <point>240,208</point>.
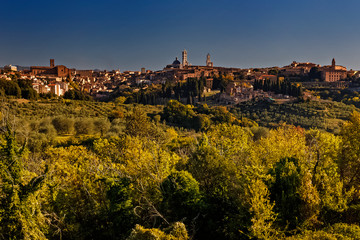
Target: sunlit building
<point>333,73</point>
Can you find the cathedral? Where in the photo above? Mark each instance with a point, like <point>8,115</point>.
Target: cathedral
<point>185,63</point>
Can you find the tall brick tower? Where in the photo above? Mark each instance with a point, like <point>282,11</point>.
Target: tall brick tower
<point>52,63</point>
<point>208,61</point>
<point>184,58</point>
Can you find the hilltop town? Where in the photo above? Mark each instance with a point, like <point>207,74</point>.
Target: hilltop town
<point>229,85</point>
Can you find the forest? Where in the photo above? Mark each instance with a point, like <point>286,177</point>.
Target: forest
<point>92,170</point>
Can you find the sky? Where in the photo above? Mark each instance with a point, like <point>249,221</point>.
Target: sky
<point>132,34</point>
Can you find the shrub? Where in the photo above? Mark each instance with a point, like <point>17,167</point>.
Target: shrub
<point>83,126</point>
<point>102,125</point>
<point>63,125</point>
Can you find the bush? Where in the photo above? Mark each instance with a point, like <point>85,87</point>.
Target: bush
<point>117,127</point>
<point>178,113</point>
<point>102,125</point>
<point>63,125</point>
<point>181,195</point>
<point>260,132</point>
<point>137,123</point>
<point>45,127</point>
<point>83,126</point>
<point>202,122</point>
<point>10,88</point>
<point>175,231</point>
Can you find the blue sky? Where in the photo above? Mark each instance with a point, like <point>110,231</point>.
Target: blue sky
<point>128,35</point>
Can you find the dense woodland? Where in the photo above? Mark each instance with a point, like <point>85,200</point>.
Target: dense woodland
<point>92,170</point>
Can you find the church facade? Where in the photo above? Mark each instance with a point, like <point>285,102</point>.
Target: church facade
<point>333,73</point>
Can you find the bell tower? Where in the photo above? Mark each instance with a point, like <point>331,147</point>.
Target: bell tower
<point>184,58</point>
<point>208,61</point>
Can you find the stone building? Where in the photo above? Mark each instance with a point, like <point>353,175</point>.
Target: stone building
<point>333,73</point>
<point>83,73</point>
<point>10,68</point>
<point>52,70</point>
<point>297,68</point>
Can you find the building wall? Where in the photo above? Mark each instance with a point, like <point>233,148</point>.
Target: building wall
<point>63,71</point>
<point>333,75</point>
<point>59,71</point>
<point>333,72</point>
<point>84,73</point>
<point>10,68</point>
<point>209,83</point>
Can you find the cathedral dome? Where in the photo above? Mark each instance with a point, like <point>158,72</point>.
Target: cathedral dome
<point>176,62</point>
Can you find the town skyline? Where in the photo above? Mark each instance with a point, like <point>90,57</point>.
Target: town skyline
<point>130,35</point>
<point>59,80</point>
<point>202,63</point>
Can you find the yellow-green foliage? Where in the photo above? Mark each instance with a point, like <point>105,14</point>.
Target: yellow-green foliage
<point>349,164</point>
<point>176,232</point>
<point>261,209</point>
<point>20,210</point>
<point>137,178</point>
<point>337,231</point>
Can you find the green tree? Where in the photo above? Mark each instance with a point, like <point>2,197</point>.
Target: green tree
<point>260,132</point>
<point>296,199</point>
<point>20,213</point>
<point>314,73</point>
<point>10,88</point>
<point>175,232</point>
<point>120,100</point>
<point>285,191</point>
<point>137,123</point>
<point>63,125</point>
<point>216,164</point>
<point>84,126</point>
<point>350,153</point>
<point>181,196</point>
<point>102,126</point>
<point>261,210</point>
<point>116,218</point>
<point>324,151</point>
<point>178,113</point>
<point>79,194</point>
<point>202,122</point>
